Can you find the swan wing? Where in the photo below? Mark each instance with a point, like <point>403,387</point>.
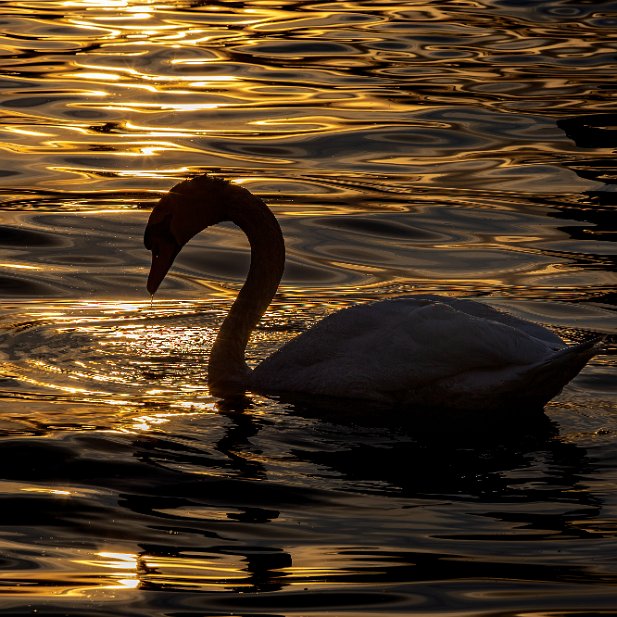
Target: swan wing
<point>484,311</point>
<point>387,349</point>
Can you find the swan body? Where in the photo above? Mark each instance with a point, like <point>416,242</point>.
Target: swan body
<point>420,351</point>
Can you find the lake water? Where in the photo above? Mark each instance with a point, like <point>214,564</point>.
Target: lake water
<point>463,148</point>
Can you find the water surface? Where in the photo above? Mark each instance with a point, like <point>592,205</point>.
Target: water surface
<point>461,148</point>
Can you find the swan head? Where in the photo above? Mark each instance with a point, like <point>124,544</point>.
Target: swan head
<point>184,211</point>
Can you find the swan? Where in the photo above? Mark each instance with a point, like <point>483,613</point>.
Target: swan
<point>422,351</point>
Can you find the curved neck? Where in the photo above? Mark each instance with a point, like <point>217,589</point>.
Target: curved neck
<point>228,373</point>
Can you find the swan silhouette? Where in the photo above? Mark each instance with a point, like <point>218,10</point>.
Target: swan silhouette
<point>420,351</point>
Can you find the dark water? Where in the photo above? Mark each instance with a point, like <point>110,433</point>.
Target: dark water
<point>464,148</point>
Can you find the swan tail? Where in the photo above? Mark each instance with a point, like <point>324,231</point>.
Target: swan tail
<point>547,379</point>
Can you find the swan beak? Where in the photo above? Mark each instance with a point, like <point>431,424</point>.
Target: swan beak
<point>162,259</point>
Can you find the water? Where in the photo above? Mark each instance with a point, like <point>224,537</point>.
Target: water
<point>464,148</point>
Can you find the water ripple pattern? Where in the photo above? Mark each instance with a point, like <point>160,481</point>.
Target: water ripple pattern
<point>458,147</point>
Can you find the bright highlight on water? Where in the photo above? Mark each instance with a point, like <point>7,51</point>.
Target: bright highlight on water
<point>458,149</point>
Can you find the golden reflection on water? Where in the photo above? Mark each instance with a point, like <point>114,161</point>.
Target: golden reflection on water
<point>97,349</point>
<point>97,574</point>
<point>105,571</point>
<point>86,576</point>
<point>406,147</point>
<point>223,85</point>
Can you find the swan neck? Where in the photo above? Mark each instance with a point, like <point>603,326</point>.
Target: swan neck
<point>228,373</point>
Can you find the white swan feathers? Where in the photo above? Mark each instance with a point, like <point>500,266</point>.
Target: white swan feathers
<point>419,351</point>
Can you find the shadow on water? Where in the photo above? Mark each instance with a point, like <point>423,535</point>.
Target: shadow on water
<point>473,465</point>
<point>213,515</point>
<point>595,131</point>
<point>595,206</point>
<point>454,457</point>
<point>442,454</point>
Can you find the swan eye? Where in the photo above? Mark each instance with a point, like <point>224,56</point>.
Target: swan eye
<point>158,237</point>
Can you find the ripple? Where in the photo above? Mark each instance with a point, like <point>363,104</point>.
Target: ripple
<point>458,148</point>
<point>226,64</point>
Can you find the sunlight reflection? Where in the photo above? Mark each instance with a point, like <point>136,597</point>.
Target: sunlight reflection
<point>148,423</point>
<point>96,76</point>
<point>19,266</point>
<point>409,147</point>
<point>126,564</point>
<point>22,131</point>
<point>108,5</point>
<point>141,10</point>
<point>147,107</point>
<point>78,356</point>
<point>47,491</point>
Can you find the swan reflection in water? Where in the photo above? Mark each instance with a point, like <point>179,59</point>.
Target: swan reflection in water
<point>223,507</point>
<point>532,466</point>
<point>420,352</point>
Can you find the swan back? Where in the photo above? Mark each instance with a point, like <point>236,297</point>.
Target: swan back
<point>415,350</point>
